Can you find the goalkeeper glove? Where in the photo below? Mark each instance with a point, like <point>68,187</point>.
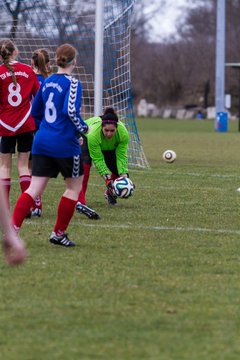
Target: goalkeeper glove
<point>109,184</point>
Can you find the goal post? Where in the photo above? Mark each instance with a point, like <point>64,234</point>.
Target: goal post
<point>98,58</point>
<point>103,71</point>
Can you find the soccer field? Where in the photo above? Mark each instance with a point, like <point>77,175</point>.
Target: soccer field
<point>156,278</point>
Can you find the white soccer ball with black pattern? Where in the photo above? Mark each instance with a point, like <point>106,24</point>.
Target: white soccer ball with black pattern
<point>169,156</point>
<point>123,187</point>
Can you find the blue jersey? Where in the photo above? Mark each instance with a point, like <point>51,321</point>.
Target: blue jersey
<point>58,104</point>
<point>41,78</point>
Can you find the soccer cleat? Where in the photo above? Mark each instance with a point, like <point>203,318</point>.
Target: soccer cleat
<point>37,212</point>
<point>84,209</point>
<point>110,198</point>
<point>61,240</point>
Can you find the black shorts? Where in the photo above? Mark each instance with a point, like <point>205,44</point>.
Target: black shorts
<point>85,152</point>
<point>111,161</point>
<point>71,167</point>
<point>23,141</point>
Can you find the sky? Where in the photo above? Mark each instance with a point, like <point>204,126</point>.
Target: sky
<point>165,21</point>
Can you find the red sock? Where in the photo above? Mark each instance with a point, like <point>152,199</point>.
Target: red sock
<point>81,196</point>
<point>6,183</point>
<point>66,210</point>
<point>24,181</point>
<point>22,208</point>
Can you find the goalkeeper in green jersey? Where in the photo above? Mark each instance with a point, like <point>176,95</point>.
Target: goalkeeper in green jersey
<point>107,145</point>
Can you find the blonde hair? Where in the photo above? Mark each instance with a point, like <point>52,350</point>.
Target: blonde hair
<point>41,61</point>
<point>7,48</point>
<point>65,55</point>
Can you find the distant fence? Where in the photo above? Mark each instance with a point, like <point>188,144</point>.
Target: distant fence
<point>145,109</point>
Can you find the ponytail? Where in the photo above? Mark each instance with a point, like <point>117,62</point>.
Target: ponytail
<point>7,48</point>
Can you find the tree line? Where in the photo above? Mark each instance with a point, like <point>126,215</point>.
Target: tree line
<point>179,70</point>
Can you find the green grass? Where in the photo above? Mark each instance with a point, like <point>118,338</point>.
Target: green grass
<point>156,278</point>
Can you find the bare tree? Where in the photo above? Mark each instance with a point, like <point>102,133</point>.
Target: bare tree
<point>16,8</point>
<point>180,70</point>
<point>144,12</point>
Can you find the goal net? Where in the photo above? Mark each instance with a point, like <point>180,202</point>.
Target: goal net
<point>34,24</point>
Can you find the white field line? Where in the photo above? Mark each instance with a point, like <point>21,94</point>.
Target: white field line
<point>146,172</point>
<point>96,224</point>
<point>192,174</point>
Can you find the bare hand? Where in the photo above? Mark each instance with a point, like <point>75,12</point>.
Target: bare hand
<point>13,249</point>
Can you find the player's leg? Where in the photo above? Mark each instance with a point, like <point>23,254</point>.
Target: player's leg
<point>82,194</point>
<point>87,162</point>
<point>13,247</point>
<point>5,173</point>
<point>72,171</point>
<point>111,162</point>
<point>8,144</point>
<point>24,150</point>
<point>24,145</point>
<point>81,206</point>
<point>66,208</point>
<point>23,170</point>
<point>26,200</point>
<point>37,209</point>
<point>43,168</point>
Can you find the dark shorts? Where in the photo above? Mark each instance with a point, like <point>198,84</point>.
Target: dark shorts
<point>111,161</point>
<point>85,152</point>
<point>23,141</point>
<point>109,157</point>
<point>46,166</point>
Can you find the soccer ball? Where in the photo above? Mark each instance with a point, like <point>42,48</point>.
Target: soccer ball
<point>123,187</point>
<point>169,156</point>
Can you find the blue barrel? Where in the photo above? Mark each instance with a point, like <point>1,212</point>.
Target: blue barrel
<point>222,122</point>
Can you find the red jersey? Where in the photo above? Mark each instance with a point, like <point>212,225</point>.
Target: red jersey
<point>15,101</point>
